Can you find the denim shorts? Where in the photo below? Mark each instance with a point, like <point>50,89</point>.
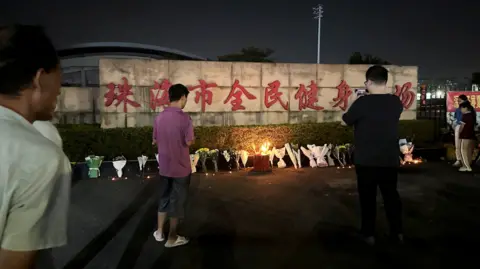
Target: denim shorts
<point>174,194</point>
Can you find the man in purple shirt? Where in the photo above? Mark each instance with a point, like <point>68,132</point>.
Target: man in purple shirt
<point>173,134</point>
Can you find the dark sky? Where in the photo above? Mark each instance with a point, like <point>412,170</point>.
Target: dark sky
<point>442,36</point>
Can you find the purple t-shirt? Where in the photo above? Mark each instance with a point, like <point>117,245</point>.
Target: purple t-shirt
<point>172,130</point>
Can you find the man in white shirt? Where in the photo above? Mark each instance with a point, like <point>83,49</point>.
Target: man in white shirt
<point>34,172</point>
<point>48,130</point>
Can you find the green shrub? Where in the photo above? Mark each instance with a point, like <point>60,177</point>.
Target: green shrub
<point>82,140</point>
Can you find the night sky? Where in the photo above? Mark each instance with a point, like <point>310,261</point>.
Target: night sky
<point>442,36</point>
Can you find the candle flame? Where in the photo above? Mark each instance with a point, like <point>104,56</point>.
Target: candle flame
<point>263,150</point>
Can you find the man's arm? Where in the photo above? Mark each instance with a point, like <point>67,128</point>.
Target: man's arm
<point>37,214</point>
<point>353,113</point>
<point>189,137</point>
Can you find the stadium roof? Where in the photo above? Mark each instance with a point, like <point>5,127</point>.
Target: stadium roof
<point>98,48</point>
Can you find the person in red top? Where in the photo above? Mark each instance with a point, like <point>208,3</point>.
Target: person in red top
<point>467,135</point>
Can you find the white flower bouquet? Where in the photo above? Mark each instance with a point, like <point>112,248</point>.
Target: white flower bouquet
<point>118,163</point>
<point>193,161</point>
<point>280,154</point>
<point>309,154</point>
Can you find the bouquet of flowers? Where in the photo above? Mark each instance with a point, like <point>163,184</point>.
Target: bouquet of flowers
<point>321,152</point>
<point>203,155</point>
<point>293,154</point>
<point>298,154</point>
<point>272,155</point>
<point>338,153</point>
<point>280,153</point>
<point>118,163</point>
<point>244,157</point>
<point>94,163</point>
<point>193,161</point>
<point>238,155</point>
<point>406,148</point>
<point>156,157</point>
<point>142,160</point>
<point>309,154</point>
<point>213,154</point>
<point>330,150</point>
<point>227,154</point>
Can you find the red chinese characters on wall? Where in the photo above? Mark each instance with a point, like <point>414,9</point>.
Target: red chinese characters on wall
<point>343,93</point>
<point>272,95</point>
<point>236,93</point>
<point>160,98</point>
<point>406,95</point>
<point>124,91</point>
<point>203,95</point>
<point>308,98</point>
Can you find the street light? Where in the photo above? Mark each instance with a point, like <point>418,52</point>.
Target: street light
<point>318,14</point>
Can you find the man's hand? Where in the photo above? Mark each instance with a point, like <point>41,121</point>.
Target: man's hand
<point>17,259</point>
<point>153,143</point>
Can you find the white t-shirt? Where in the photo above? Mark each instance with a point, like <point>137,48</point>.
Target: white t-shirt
<point>35,178</point>
<point>47,129</point>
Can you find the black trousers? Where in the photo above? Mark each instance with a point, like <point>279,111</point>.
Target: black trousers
<point>368,178</point>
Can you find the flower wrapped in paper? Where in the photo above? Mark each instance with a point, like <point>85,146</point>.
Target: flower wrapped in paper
<point>213,155</point>
<point>280,154</point>
<point>330,151</point>
<point>142,160</point>
<point>118,163</point>
<point>293,154</point>
<point>406,148</point>
<point>349,155</point>
<point>193,161</point>
<point>94,163</point>
<point>227,154</point>
<point>298,154</point>
<point>309,154</point>
<point>272,155</point>
<point>244,157</point>
<point>320,153</point>
<point>158,161</point>
<point>238,156</point>
<point>338,153</point>
<point>203,156</point>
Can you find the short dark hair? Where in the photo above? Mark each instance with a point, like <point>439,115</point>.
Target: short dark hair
<point>177,91</point>
<point>24,49</point>
<point>377,74</point>
<point>467,105</point>
<point>463,97</point>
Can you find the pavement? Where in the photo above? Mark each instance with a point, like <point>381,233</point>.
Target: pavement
<point>304,218</point>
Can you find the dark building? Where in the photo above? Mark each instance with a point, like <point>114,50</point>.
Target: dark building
<point>80,63</point>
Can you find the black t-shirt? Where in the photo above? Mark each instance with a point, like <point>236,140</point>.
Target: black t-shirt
<point>375,119</point>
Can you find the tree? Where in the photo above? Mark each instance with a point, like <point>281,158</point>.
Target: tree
<point>249,54</point>
<point>358,58</point>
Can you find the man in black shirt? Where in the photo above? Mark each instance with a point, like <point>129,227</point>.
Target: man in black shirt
<point>375,119</point>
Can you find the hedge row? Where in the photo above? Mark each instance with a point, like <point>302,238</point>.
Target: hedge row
<point>83,140</point>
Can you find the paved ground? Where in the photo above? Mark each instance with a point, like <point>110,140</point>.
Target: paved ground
<point>288,219</point>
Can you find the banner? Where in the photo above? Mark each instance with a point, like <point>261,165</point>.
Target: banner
<point>452,100</point>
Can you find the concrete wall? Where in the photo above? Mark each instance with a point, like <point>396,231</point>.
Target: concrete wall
<point>77,104</point>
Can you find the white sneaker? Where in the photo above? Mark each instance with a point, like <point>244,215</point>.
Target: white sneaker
<point>457,164</point>
<point>465,169</point>
<point>158,236</point>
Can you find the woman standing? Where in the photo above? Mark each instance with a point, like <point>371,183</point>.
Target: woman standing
<point>467,135</point>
